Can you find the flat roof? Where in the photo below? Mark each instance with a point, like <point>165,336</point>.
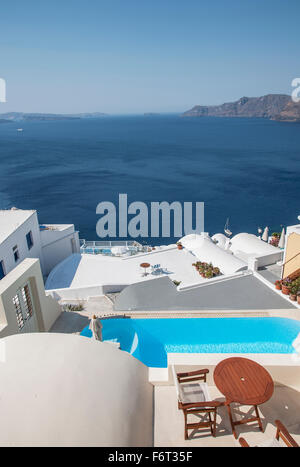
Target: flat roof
<point>11,219</point>
<point>83,270</point>
<point>55,227</point>
<point>239,293</point>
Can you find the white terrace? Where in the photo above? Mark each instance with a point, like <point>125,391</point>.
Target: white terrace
<point>108,274</point>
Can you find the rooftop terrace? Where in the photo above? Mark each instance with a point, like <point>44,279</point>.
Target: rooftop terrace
<point>90,270</point>
<point>168,429</point>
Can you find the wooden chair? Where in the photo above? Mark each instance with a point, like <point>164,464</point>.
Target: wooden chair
<point>194,398</point>
<point>281,433</point>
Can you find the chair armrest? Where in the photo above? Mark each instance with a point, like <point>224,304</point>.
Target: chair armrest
<point>283,433</point>
<point>193,373</point>
<point>243,443</point>
<point>206,404</point>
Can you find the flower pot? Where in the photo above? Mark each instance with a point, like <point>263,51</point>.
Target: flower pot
<point>278,286</point>
<point>298,299</point>
<point>180,247</point>
<point>285,290</point>
<point>293,297</point>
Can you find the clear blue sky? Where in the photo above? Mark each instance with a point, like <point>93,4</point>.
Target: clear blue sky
<point>131,56</point>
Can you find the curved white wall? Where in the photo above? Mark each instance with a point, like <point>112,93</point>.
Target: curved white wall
<point>66,390</point>
<point>206,250</point>
<point>250,244</point>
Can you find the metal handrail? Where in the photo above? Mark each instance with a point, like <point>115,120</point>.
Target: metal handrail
<point>291,259</point>
<point>108,243</point>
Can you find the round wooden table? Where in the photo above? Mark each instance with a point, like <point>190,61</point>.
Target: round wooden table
<point>145,266</point>
<point>246,382</point>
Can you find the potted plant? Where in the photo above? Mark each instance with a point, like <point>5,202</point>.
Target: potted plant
<point>278,285</point>
<point>293,292</point>
<point>286,284</point>
<point>209,274</point>
<point>177,283</point>
<point>179,246</point>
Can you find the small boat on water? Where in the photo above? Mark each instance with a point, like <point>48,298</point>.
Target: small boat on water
<point>226,228</point>
<point>19,129</point>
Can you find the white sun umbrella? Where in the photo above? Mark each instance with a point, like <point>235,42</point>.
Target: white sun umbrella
<point>296,345</point>
<point>282,239</point>
<point>96,328</point>
<point>265,235</point>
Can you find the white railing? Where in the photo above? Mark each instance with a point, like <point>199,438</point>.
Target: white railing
<point>99,247</point>
<point>108,243</point>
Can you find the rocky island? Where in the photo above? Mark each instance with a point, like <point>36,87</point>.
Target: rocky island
<point>23,117</point>
<point>278,107</point>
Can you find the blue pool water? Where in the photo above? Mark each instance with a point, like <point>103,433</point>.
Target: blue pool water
<point>149,340</point>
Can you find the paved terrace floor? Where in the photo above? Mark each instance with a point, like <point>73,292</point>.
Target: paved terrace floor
<point>169,424</point>
<point>272,273</point>
<point>239,293</point>
<point>90,270</point>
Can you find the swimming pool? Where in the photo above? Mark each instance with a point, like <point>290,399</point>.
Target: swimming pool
<point>150,340</point>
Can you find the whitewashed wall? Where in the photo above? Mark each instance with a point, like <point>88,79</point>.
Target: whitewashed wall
<point>57,245</point>
<point>18,237</point>
<point>46,309</point>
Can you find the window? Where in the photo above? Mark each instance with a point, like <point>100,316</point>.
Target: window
<point>23,306</point>
<point>20,319</point>
<point>27,301</point>
<point>16,253</point>
<point>29,240</point>
<point>2,270</point>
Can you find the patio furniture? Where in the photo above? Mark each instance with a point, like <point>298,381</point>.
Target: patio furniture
<point>156,269</point>
<point>194,399</point>
<point>145,266</point>
<point>281,433</point>
<point>246,382</point>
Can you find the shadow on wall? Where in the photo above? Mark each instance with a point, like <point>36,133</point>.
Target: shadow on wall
<point>63,273</point>
<point>70,323</point>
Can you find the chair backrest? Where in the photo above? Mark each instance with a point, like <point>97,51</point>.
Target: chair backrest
<point>176,383</point>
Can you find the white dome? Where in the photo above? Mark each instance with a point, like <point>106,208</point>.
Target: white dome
<point>220,239</point>
<point>66,390</point>
<point>191,240</point>
<point>250,244</point>
<point>209,252</point>
<point>206,250</point>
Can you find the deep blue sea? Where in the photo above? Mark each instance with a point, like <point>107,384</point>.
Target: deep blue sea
<point>244,169</point>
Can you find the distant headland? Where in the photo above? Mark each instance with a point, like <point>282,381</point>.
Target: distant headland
<point>279,107</point>
<point>22,117</point>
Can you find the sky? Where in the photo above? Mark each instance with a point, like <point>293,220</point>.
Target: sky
<point>135,56</point>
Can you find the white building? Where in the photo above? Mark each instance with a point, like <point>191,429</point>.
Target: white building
<point>24,306</point>
<point>22,237</point>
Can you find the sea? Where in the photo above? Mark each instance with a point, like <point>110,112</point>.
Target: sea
<point>247,170</point>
